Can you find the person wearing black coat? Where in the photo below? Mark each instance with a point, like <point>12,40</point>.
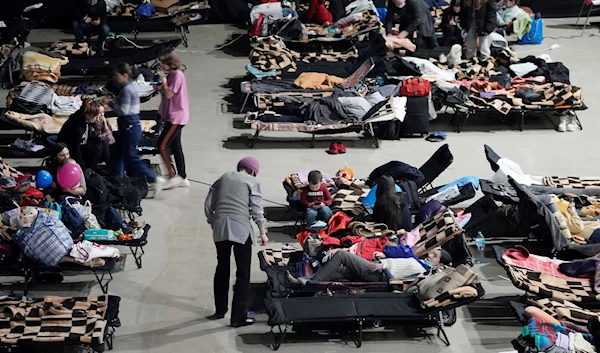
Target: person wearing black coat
<point>414,17</point>
<point>76,134</point>
<point>478,18</point>
<point>90,18</point>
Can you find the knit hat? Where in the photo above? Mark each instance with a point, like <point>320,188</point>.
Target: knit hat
<point>249,163</point>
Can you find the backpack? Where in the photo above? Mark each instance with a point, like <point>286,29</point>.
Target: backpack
<point>97,192</point>
<point>390,130</point>
<point>71,217</point>
<point>146,9</point>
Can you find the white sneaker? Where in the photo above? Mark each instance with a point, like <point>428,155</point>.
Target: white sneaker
<point>159,185</point>
<point>184,183</point>
<point>173,182</point>
<point>571,124</point>
<point>562,125</point>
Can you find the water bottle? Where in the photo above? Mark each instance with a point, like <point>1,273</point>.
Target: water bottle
<point>480,243</point>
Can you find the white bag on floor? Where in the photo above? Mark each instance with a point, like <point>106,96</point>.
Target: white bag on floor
<point>86,251</point>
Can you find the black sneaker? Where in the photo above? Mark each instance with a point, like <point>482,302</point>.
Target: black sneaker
<point>247,322</point>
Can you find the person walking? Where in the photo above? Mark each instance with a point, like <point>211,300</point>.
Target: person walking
<point>175,110</point>
<point>232,202</point>
<point>127,107</point>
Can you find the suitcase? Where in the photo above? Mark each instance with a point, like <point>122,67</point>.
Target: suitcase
<point>416,121</point>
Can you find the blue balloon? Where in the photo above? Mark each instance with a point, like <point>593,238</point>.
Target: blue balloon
<point>43,179</point>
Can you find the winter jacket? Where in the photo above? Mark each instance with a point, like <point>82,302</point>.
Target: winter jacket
<point>485,18</point>
<point>398,171</point>
<point>368,247</point>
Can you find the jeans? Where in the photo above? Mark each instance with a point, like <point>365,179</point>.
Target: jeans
<point>169,143</point>
<point>344,265</point>
<point>126,156</point>
<point>81,29</point>
<point>323,214</point>
<point>485,44</point>
<point>242,254</point>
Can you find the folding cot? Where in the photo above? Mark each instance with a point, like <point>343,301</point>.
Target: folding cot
<point>463,113</point>
<point>373,301</point>
<point>135,245</point>
<point>548,285</point>
<point>538,221</point>
<point>30,271</point>
<point>178,21</point>
<point>435,165</point>
<point>103,64</point>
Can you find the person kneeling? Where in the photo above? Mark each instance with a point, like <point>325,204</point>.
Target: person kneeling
<point>346,266</point>
<point>317,199</point>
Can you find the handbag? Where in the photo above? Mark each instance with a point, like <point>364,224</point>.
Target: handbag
<point>312,243</point>
<point>32,197</point>
<point>535,34</point>
<point>415,87</point>
<point>46,241</point>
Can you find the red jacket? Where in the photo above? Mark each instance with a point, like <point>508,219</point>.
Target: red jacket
<point>318,13</point>
<point>367,247</point>
<point>308,196</point>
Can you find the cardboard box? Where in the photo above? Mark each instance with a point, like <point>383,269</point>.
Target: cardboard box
<point>165,6</point>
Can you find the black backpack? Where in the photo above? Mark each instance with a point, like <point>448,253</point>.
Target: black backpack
<point>97,192</point>
<point>390,130</point>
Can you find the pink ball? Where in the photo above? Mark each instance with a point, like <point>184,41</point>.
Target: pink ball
<point>69,176</point>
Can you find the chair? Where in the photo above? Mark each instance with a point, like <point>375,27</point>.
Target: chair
<point>592,4</point>
<point>435,165</point>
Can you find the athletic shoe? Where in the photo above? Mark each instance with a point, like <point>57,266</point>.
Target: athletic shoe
<point>184,183</point>
<point>571,124</point>
<point>159,185</point>
<point>562,125</point>
<point>341,148</point>
<point>247,322</point>
<point>333,148</point>
<point>173,182</point>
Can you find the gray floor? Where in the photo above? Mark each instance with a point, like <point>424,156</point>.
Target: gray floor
<point>164,303</point>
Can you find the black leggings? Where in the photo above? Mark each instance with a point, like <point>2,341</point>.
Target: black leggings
<point>169,143</point>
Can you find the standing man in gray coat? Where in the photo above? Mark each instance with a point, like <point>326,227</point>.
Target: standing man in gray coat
<point>232,203</point>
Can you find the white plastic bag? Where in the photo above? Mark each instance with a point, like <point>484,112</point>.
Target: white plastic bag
<point>83,209</point>
<point>86,250</point>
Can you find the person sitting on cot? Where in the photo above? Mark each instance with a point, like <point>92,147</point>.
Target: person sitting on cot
<point>346,266</point>
<point>317,199</point>
<point>506,15</point>
<point>90,18</point>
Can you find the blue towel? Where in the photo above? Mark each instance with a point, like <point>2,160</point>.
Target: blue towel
<point>369,201</point>
<point>260,74</point>
<point>462,182</point>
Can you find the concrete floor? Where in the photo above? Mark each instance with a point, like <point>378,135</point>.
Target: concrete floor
<point>164,304</point>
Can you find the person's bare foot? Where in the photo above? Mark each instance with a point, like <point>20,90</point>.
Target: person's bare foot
<point>294,280</point>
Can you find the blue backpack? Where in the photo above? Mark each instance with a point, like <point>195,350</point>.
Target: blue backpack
<point>535,34</point>
<point>146,9</point>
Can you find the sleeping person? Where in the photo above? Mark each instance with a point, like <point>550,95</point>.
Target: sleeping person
<point>582,231</point>
<point>346,266</point>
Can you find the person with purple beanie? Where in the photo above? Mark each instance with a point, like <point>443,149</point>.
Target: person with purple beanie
<point>233,201</point>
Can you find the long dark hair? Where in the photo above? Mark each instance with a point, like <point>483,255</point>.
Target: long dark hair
<point>388,209</point>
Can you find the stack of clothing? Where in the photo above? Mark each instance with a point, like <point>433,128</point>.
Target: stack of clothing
<point>351,25</point>
<point>40,67</point>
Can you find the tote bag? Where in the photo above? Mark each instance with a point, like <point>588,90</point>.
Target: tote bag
<point>535,34</point>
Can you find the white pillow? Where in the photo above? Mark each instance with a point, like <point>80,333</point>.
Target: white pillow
<point>357,106</point>
<point>375,98</point>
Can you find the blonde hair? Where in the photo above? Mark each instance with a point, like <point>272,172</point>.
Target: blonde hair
<point>173,61</point>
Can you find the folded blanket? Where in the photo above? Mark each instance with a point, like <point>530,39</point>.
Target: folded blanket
<point>450,297</point>
<point>436,232</point>
<point>53,320</point>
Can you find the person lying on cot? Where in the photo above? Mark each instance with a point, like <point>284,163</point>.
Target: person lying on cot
<point>346,266</point>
